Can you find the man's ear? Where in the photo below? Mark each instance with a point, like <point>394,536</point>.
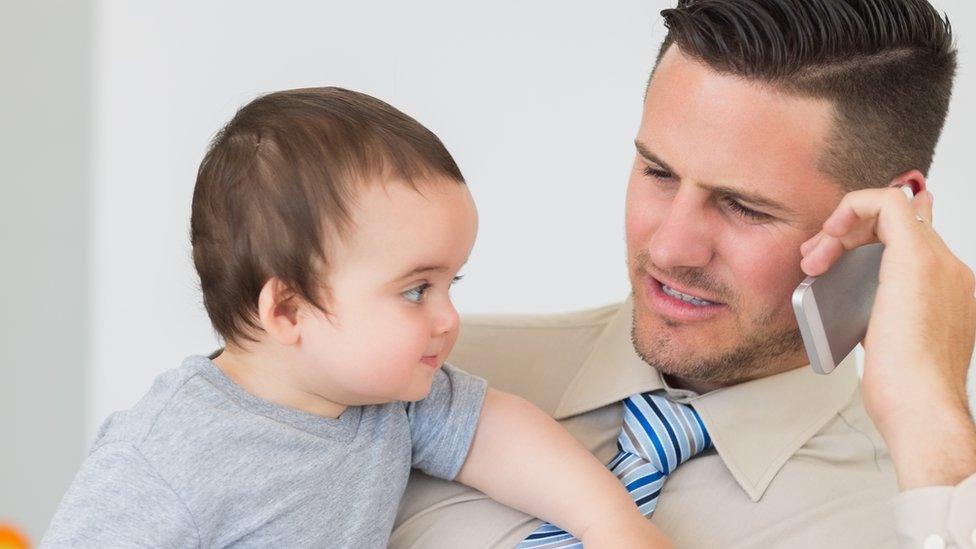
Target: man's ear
<point>278,311</point>
<point>914,178</point>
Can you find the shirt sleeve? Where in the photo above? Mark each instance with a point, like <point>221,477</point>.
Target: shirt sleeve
<point>118,499</point>
<point>938,516</point>
<point>443,424</point>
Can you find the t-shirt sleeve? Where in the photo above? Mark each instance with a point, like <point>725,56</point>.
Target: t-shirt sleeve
<point>118,499</point>
<point>442,425</point>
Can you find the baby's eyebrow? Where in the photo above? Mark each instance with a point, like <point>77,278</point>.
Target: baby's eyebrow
<point>420,269</point>
<point>426,268</point>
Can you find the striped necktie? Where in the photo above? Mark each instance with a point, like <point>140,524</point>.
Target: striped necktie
<point>657,436</point>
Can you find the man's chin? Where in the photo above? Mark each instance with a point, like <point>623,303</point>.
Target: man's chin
<point>692,367</point>
<point>713,357</point>
<point>676,338</point>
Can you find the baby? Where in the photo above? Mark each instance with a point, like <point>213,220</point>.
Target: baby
<point>327,229</point>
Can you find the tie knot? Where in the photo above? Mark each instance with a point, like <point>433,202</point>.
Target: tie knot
<point>663,432</point>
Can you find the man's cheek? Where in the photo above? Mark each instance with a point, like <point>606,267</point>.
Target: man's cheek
<point>774,301</point>
<point>638,233</point>
<point>766,281</point>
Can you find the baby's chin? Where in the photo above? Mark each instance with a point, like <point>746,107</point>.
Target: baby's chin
<point>419,389</point>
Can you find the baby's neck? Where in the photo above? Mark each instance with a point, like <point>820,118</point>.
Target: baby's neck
<point>270,378</point>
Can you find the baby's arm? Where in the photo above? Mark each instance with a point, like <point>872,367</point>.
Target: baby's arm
<point>521,457</point>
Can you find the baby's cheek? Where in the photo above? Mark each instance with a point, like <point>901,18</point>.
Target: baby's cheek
<point>403,341</point>
<point>449,343</point>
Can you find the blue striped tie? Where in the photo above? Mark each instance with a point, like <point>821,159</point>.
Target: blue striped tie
<point>657,436</point>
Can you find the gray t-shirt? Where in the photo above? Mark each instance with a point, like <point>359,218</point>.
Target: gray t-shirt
<point>200,462</point>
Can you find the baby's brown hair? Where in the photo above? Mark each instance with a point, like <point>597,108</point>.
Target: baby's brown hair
<point>278,184</point>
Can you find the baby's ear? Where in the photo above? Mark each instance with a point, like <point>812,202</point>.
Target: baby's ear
<point>278,310</point>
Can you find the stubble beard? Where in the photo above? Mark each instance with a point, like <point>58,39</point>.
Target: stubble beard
<point>759,353</point>
<point>764,347</point>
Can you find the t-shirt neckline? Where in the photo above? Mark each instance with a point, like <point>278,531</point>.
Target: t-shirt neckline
<point>343,427</point>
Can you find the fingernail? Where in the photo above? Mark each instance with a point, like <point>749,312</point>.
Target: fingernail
<point>804,247</point>
<point>805,266</point>
<point>820,245</point>
<point>808,245</point>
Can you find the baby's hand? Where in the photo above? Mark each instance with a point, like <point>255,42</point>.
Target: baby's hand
<point>626,533</point>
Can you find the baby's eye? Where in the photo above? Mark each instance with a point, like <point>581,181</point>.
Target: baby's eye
<point>416,294</point>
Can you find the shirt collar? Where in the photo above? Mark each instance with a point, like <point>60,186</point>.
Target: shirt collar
<point>756,426</point>
<point>611,372</point>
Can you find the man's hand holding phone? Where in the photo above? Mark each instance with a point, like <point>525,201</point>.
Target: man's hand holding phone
<point>920,336</point>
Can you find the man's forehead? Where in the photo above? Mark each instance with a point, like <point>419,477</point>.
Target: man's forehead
<point>690,88</point>
<point>723,130</point>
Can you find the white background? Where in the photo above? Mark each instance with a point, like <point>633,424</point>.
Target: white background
<point>538,101</point>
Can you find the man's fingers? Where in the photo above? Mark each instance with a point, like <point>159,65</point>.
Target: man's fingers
<point>810,244</point>
<point>863,217</point>
<point>922,205</point>
<point>889,214</point>
<point>827,250</point>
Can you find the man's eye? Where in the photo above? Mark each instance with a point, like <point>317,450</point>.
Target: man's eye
<point>657,173</point>
<point>417,293</point>
<point>743,211</point>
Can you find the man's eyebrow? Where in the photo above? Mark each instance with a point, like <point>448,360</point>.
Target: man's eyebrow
<point>752,199</point>
<point>646,154</point>
<point>745,196</point>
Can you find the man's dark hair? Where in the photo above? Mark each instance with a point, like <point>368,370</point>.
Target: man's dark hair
<point>886,65</point>
<point>277,187</point>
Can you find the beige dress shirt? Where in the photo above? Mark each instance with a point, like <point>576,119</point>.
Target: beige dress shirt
<point>797,462</point>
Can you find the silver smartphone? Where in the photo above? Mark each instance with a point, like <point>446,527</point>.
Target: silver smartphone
<point>833,309</point>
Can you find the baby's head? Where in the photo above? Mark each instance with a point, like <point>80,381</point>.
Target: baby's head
<point>327,228</point>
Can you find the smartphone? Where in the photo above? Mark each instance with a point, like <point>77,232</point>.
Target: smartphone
<point>833,309</point>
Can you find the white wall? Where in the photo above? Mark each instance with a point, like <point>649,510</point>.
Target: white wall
<point>539,102</point>
<point>45,67</point>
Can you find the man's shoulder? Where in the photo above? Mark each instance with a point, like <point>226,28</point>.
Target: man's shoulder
<point>516,352</point>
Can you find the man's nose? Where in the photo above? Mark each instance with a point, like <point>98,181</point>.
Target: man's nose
<point>683,239</point>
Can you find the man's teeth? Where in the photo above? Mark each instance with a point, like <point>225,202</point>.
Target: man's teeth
<point>684,297</point>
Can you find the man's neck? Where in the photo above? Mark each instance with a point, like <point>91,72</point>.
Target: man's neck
<point>701,387</point>
<point>695,386</point>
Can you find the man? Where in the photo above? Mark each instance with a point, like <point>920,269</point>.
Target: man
<point>773,135</point>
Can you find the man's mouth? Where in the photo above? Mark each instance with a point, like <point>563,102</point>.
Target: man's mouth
<point>679,305</point>
<point>694,300</point>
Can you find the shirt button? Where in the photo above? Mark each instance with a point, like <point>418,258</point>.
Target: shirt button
<point>934,541</point>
